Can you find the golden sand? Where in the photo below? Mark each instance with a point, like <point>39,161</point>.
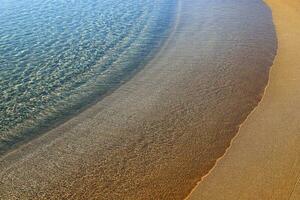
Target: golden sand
<point>263,161</point>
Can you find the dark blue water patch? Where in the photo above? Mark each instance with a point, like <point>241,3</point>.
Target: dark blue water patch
<point>57,57</point>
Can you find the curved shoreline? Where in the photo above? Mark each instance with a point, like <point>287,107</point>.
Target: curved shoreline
<point>271,156</point>
<point>191,195</point>
<point>170,120</point>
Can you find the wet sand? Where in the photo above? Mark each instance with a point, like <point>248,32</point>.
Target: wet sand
<point>160,132</point>
<point>263,161</point>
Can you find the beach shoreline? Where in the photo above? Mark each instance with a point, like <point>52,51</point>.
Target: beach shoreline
<point>263,159</point>
<point>172,119</point>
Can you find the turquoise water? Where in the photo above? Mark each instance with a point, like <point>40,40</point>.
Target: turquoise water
<point>57,56</point>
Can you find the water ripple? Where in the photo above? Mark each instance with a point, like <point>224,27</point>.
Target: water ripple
<point>57,56</point>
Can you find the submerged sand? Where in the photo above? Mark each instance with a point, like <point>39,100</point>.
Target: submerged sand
<point>264,159</point>
<point>155,136</point>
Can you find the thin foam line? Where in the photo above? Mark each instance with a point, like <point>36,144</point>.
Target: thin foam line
<point>239,127</point>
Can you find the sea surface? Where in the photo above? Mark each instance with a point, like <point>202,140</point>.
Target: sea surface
<point>58,56</point>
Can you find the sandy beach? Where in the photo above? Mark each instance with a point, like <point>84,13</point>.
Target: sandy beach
<point>156,135</point>
<point>263,161</point>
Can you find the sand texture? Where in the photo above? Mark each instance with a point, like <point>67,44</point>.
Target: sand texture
<point>160,132</point>
<point>264,159</point>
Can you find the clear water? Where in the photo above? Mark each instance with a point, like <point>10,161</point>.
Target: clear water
<point>59,55</point>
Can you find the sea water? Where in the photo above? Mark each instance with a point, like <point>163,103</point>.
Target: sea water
<point>57,56</point>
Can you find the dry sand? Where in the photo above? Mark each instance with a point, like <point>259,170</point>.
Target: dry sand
<point>156,135</point>
<point>263,161</point>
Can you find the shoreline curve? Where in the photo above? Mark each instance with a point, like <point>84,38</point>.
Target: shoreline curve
<point>170,120</point>
<point>272,160</point>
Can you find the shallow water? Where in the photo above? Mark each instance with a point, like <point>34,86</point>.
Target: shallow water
<point>58,56</point>
<point>160,132</point>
